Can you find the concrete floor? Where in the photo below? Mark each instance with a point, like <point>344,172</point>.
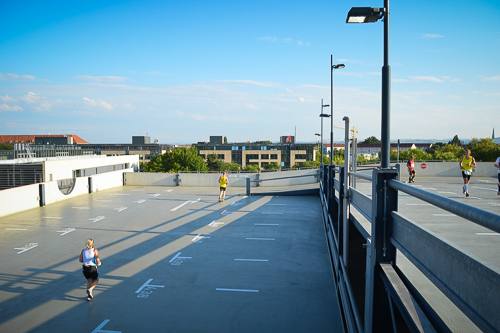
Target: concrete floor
<point>173,260</point>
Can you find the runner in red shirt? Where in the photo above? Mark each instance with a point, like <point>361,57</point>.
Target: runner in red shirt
<point>411,170</point>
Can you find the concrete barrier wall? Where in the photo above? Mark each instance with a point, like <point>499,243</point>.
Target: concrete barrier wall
<point>212,179</point>
<point>109,180</point>
<point>22,198</point>
<point>450,169</point>
<point>53,194</point>
<point>268,179</point>
<point>150,179</point>
<point>18,199</point>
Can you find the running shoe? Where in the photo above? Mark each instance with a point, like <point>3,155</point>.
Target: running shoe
<point>89,294</point>
<point>463,190</point>
<point>223,199</point>
<point>219,199</point>
<point>466,195</point>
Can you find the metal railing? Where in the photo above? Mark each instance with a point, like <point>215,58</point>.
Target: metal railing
<point>375,294</point>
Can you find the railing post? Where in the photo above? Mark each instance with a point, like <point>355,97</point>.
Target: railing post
<point>332,203</point>
<point>384,201</point>
<point>340,212</point>
<point>248,185</point>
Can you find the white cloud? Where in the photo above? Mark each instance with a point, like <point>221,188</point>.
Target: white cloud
<point>105,79</point>
<point>430,36</point>
<point>426,78</point>
<point>7,98</point>
<point>17,77</point>
<point>491,79</point>
<point>5,107</point>
<point>93,103</point>
<point>249,82</point>
<point>276,39</point>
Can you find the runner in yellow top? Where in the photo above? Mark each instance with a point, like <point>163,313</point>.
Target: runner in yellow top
<point>223,181</point>
<point>466,164</point>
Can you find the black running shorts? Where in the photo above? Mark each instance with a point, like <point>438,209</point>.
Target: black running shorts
<point>90,272</point>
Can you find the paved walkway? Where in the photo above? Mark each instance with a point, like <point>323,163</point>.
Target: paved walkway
<point>173,260</point>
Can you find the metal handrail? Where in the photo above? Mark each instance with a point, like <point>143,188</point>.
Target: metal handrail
<point>482,217</point>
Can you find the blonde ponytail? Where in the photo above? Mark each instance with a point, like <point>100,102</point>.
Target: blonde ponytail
<point>90,243</point>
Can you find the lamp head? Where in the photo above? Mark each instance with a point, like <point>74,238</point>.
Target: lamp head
<point>324,115</point>
<point>338,66</point>
<point>326,106</point>
<point>364,15</point>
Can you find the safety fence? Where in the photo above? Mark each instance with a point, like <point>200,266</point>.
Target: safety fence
<point>375,294</point>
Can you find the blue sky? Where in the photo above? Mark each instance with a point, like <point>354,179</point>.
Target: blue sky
<point>181,71</point>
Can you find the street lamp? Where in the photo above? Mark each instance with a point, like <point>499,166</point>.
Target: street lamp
<point>367,15</point>
<point>331,103</point>
<point>322,115</point>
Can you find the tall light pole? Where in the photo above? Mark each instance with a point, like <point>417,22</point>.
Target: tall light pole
<point>322,115</point>
<point>367,15</point>
<point>331,103</point>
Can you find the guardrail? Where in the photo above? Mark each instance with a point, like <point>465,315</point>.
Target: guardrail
<point>375,294</point>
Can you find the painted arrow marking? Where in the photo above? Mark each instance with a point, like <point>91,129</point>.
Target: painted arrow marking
<point>155,195</point>
<point>187,202</point>
<point>119,209</point>
<point>140,201</point>
<point>100,330</point>
<point>26,247</point>
<point>214,224</point>
<point>66,231</point>
<point>96,219</point>
<point>198,238</point>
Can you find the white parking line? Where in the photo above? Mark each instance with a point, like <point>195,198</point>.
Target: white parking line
<point>50,217</point>
<point>187,202</point>
<point>267,239</point>
<point>444,215</point>
<point>14,229</point>
<point>488,189</point>
<point>80,207</point>
<point>487,234</point>
<point>240,290</point>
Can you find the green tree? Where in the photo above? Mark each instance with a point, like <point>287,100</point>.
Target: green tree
<point>404,155</point>
<point>271,166</point>
<point>6,146</point>
<point>225,166</point>
<point>455,141</point>
<point>371,139</point>
<point>484,150</point>
<point>225,139</point>
<point>180,159</point>
<point>251,167</point>
<point>212,162</point>
<point>435,147</point>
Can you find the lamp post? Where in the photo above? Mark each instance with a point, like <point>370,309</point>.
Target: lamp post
<point>322,115</point>
<point>367,15</point>
<point>331,103</point>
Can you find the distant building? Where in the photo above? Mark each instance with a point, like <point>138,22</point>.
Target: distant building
<point>30,139</point>
<point>286,153</point>
<point>26,171</point>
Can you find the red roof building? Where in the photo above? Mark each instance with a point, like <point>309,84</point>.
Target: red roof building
<point>31,138</point>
